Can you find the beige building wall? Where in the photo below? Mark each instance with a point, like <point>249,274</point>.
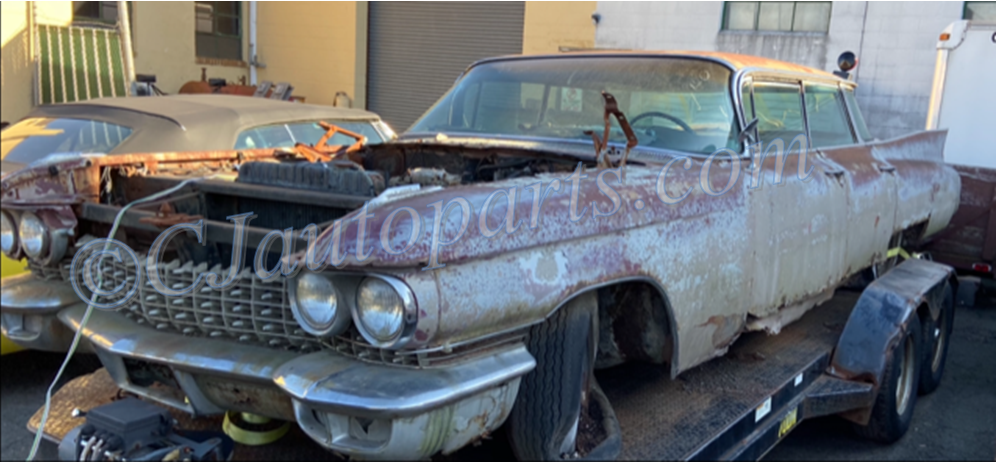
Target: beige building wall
<point>549,26</point>
<point>299,45</point>
<point>164,44</point>
<point>318,47</point>
<point>16,63</point>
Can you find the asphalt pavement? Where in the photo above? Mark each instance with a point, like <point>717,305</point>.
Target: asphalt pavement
<point>952,424</point>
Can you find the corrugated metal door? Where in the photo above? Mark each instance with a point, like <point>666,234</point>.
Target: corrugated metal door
<point>417,49</point>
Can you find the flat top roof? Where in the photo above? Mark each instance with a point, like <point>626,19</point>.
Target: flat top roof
<point>191,110</point>
<point>734,60</point>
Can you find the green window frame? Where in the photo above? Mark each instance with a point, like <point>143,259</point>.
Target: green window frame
<point>777,16</point>
<point>218,30</point>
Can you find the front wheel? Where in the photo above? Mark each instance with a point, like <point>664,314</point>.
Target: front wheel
<point>560,412</point>
<point>894,406</point>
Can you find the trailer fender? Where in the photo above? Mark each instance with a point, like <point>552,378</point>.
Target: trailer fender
<point>881,315</point>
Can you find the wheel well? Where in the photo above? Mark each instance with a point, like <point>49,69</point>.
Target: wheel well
<point>912,235</point>
<point>636,323</point>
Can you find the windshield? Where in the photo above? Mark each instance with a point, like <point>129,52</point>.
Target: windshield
<point>286,135</point>
<point>673,103</point>
<point>35,138</point>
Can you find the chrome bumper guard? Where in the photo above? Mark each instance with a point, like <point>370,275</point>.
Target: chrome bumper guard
<point>361,409</point>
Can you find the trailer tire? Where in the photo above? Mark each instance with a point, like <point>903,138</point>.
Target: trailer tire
<point>893,409</point>
<point>547,413</point>
<point>936,338</point>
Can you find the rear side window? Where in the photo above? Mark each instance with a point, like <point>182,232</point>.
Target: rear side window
<point>853,108</point>
<point>779,111</point>
<point>309,133</point>
<point>826,116</point>
<point>35,138</point>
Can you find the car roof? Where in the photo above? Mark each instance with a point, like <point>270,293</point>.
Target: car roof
<point>734,61</point>
<point>194,122</point>
<point>187,110</point>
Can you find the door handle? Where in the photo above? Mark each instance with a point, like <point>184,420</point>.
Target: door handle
<point>886,168</point>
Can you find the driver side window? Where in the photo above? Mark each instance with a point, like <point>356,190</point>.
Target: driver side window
<point>779,109</point>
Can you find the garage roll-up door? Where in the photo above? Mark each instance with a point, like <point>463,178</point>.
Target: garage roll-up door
<point>417,49</point>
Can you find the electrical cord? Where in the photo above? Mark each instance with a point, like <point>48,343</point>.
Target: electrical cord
<point>93,299</point>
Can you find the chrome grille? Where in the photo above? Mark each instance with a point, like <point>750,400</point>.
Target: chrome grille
<point>251,312</point>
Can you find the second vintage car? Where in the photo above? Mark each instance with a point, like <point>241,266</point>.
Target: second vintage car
<point>550,215</point>
<point>112,126</point>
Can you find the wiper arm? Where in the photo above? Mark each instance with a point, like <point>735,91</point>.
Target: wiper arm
<point>611,109</point>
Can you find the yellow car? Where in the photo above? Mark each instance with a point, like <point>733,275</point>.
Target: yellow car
<point>10,267</point>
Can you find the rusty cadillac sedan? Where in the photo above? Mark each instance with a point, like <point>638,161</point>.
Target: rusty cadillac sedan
<point>548,216</point>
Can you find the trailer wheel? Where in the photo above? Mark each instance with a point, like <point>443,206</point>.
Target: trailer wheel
<point>544,423</point>
<point>894,406</point>
<point>936,344</point>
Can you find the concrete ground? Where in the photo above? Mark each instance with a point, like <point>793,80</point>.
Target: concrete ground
<point>953,424</point>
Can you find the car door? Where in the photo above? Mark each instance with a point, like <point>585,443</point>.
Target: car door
<point>870,183</point>
<point>800,211</point>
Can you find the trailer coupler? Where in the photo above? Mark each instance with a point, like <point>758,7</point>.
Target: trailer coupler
<point>133,430</point>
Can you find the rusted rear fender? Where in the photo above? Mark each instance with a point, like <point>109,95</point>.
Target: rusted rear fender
<point>882,313</point>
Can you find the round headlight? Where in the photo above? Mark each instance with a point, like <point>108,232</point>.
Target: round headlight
<point>315,304</point>
<point>8,235</point>
<point>380,311</point>
<point>33,235</point>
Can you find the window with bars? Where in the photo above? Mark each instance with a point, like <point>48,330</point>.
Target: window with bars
<point>218,28</point>
<point>979,11</point>
<point>777,16</point>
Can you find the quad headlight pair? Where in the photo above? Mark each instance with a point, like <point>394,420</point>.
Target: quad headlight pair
<point>382,307</point>
<point>30,235</point>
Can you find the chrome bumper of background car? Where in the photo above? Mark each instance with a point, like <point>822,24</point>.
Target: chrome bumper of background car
<point>29,309</point>
<point>362,409</point>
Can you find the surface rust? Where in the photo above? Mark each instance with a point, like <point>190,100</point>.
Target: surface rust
<point>715,259</point>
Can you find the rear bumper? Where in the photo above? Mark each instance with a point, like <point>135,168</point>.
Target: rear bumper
<point>365,410</point>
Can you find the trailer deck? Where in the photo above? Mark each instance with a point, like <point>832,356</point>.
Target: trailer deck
<point>735,407</point>
<point>714,411</point>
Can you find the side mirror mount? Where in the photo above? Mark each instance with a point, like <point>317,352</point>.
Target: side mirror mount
<point>846,62</point>
<point>747,134</point>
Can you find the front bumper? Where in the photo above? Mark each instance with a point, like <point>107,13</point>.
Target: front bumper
<point>28,313</point>
<point>365,410</point>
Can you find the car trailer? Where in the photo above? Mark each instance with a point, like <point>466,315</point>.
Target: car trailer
<point>863,356</point>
